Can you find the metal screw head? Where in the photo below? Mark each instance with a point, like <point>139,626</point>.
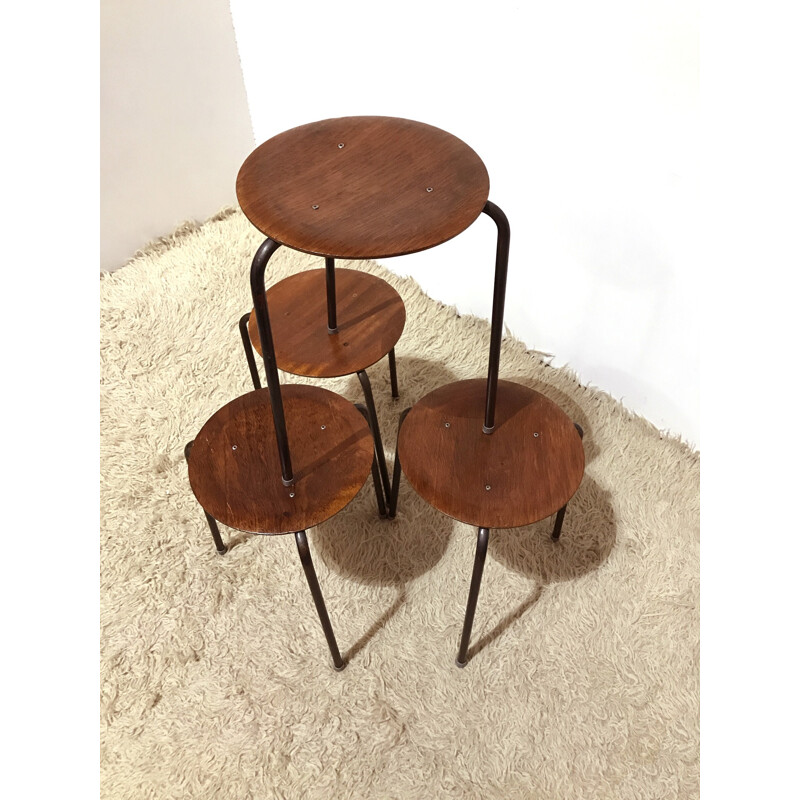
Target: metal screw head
<point>235,447</point>
<point>535,435</point>
<point>447,424</point>
<point>429,189</point>
<point>322,427</point>
<point>340,145</point>
<point>488,487</point>
<point>291,494</point>
<point>315,206</point>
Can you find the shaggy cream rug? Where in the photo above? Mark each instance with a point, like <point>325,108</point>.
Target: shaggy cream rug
<point>216,679</point>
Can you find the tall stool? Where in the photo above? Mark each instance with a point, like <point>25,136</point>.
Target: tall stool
<point>353,188</point>
<point>493,454</point>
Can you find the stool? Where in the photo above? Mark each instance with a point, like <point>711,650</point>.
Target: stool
<point>365,319</point>
<point>494,454</point>
<point>353,188</point>
<point>234,470</point>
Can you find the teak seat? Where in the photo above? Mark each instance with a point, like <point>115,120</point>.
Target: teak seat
<point>234,468</point>
<point>370,317</point>
<point>362,187</point>
<point>525,471</point>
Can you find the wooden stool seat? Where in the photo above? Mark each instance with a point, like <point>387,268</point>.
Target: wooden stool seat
<point>370,320</point>
<point>524,471</point>
<point>362,187</point>
<point>235,472</point>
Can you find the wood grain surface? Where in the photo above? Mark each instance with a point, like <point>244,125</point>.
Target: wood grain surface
<point>235,473</point>
<point>532,463</point>
<point>370,317</point>
<point>362,187</point>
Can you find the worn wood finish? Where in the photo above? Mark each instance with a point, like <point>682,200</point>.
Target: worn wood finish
<point>450,461</point>
<point>235,472</point>
<point>370,317</point>
<point>358,187</point>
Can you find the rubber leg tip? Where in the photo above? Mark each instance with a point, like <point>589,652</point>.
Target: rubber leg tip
<point>339,669</point>
<point>461,664</point>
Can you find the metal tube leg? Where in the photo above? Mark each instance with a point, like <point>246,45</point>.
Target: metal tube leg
<point>316,593</point>
<point>248,351</point>
<point>559,522</point>
<point>376,432</point>
<point>397,469</point>
<point>330,290</point>
<point>259,292</point>
<point>393,375</point>
<point>474,588</point>
<point>498,306</point>
<point>376,478</point>
<point>212,523</point>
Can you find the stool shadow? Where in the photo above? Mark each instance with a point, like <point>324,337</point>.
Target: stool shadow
<point>359,546</point>
<point>236,537</point>
<point>568,404</point>
<point>587,539</point>
<point>416,377</point>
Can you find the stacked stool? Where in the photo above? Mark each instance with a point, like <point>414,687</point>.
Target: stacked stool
<point>365,317</point>
<point>489,453</point>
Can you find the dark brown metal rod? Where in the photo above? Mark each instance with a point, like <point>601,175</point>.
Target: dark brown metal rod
<point>258,289</point>
<point>313,584</point>
<point>498,307</point>
<point>474,588</point>
<point>330,288</point>
<point>248,351</point>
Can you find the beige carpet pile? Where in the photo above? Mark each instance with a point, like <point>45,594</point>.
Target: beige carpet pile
<point>216,680</point>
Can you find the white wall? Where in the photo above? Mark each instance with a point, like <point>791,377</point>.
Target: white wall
<point>175,125</point>
<point>584,114</point>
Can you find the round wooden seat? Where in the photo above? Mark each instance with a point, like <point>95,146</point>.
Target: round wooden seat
<point>526,470</point>
<point>234,468</point>
<point>370,319</point>
<point>362,187</point>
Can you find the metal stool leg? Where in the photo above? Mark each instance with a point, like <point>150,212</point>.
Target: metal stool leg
<point>559,522</point>
<point>376,478</point>
<point>316,593</point>
<point>393,375</point>
<point>397,469</point>
<point>474,588</point>
<point>248,351</point>
<point>212,523</point>
<point>376,433</point>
